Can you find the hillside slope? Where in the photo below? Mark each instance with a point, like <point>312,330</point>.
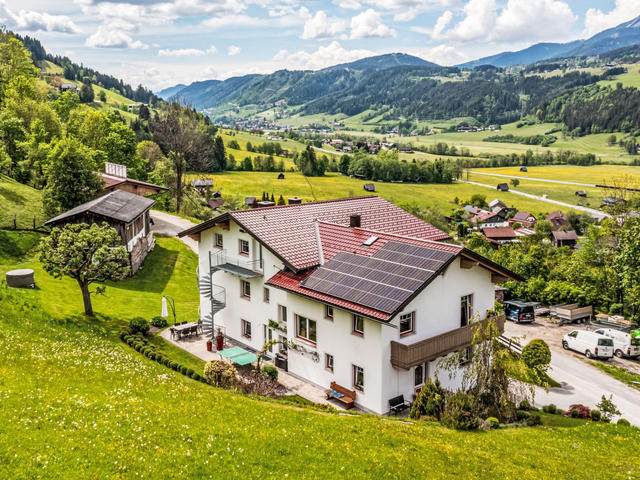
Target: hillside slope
<point>20,202</point>
<point>75,400</point>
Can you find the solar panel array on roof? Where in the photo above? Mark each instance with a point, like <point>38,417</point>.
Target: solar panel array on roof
<point>383,281</point>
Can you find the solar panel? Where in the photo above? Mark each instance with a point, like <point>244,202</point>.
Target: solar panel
<point>382,281</point>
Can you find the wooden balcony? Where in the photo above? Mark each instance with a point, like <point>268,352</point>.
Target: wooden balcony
<point>407,356</point>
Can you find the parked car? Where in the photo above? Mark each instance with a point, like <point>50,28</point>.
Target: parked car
<point>519,311</point>
<point>591,344</point>
<point>624,345</point>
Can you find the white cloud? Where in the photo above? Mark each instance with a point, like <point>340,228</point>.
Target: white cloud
<point>444,55</point>
<point>36,21</point>
<point>518,20</point>
<point>596,20</point>
<point>369,24</point>
<point>108,38</point>
<point>186,52</point>
<point>349,4</point>
<point>322,26</point>
<point>234,50</point>
<point>321,58</point>
<point>534,20</point>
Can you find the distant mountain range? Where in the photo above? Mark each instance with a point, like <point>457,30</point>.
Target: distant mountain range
<point>405,86</point>
<point>623,35</point>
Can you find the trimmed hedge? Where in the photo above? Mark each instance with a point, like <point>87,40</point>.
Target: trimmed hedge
<point>143,346</point>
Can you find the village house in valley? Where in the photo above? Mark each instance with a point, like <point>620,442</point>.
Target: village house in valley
<point>362,293</point>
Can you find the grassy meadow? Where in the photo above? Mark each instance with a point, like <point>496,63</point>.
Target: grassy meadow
<point>598,174</point>
<point>78,403</point>
<point>334,185</point>
<point>19,201</point>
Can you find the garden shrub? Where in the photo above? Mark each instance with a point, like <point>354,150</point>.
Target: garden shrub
<point>189,372</point>
<point>493,422</point>
<point>522,415</point>
<point>624,421</point>
<point>220,374</point>
<point>139,325</point>
<point>159,322</point>
<point>460,412</point>
<point>595,415</point>
<point>525,405</point>
<point>173,365</point>
<point>536,355</point>
<point>605,419</point>
<point>533,420</point>
<point>270,371</point>
<point>551,408</point>
<point>582,411</point>
<point>430,402</point>
<point>138,346</point>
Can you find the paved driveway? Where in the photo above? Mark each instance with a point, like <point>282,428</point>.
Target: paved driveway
<point>581,382</point>
<point>167,224</point>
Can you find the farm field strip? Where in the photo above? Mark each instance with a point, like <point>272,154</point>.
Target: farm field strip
<point>564,182</point>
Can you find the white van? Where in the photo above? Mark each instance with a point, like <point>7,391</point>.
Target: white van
<point>624,345</point>
<point>591,344</point>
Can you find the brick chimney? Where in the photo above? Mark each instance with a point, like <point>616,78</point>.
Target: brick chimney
<point>354,220</point>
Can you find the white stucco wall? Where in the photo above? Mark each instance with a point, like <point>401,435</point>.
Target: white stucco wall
<point>437,310</point>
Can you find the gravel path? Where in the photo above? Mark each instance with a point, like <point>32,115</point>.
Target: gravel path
<point>167,224</point>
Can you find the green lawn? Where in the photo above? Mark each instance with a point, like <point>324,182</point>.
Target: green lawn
<point>629,79</point>
<point>20,201</point>
<point>77,403</point>
<point>334,185</point>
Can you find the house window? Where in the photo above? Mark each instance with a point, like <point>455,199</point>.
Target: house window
<point>328,312</point>
<point>358,377</point>
<point>328,362</point>
<point>244,247</point>
<point>246,329</point>
<point>358,325</point>
<point>306,329</point>
<point>466,310</point>
<point>265,295</point>
<point>418,375</point>
<point>245,289</point>
<point>407,322</point>
<point>218,238</point>
<point>282,314</point>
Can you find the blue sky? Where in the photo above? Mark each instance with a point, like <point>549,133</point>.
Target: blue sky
<point>160,43</point>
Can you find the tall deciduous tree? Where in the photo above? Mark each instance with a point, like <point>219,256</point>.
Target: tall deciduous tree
<point>86,253</point>
<point>71,178</point>
<point>86,93</point>
<point>183,139</point>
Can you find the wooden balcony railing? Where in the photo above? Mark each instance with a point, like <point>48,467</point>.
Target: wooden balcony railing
<point>407,356</point>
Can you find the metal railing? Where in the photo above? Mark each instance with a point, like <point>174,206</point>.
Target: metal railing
<point>221,257</point>
<point>407,356</point>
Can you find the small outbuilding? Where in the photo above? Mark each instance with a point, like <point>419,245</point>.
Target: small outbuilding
<point>370,187</point>
<point>294,200</point>
<point>127,212</point>
<point>281,176</point>
<point>564,238</point>
<point>202,184</point>
<point>503,187</point>
<point>523,169</point>
<point>581,193</point>
<point>115,178</point>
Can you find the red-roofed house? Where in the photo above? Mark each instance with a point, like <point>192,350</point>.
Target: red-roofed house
<point>524,218</point>
<point>370,296</point>
<point>115,178</point>
<point>499,235</point>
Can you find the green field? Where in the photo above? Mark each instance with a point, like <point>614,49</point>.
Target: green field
<point>334,185</point>
<point>597,174</point>
<point>78,403</point>
<point>19,201</point>
<point>629,79</point>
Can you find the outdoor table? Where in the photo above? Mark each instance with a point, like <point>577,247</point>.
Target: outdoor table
<point>179,329</point>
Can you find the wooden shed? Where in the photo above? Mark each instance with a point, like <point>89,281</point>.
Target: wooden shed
<point>370,187</point>
<point>127,212</point>
<point>503,187</point>
<point>115,178</point>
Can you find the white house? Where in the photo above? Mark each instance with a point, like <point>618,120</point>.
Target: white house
<point>370,295</point>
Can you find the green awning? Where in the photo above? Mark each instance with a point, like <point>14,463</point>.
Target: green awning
<point>238,355</point>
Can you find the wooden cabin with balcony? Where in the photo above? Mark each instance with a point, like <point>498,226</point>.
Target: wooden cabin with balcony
<point>126,212</point>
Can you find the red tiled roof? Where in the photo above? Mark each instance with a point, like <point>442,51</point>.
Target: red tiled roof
<point>499,232</point>
<point>339,238</point>
<point>289,230</point>
<point>112,181</point>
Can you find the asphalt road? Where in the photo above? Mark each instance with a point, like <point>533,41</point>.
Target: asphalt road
<point>591,211</point>
<point>167,224</point>
<point>580,381</point>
